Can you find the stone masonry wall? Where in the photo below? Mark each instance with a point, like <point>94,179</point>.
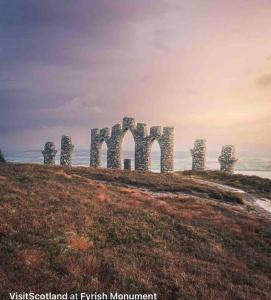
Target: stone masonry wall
<point>143,143</point>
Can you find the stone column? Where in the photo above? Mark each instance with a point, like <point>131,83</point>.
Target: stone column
<point>127,164</point>
<point>199,155</point>
<point>114,148</point>
<point>49,153</point>
<point>227,159</point>
<point>95,149</point>
<point>142,147</point>
<point>66,151</point>
<point>2,158</point>
<point>167,150</point>
<point>142,155</point>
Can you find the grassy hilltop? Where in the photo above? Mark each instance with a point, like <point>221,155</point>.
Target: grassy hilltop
<point>84,229</point>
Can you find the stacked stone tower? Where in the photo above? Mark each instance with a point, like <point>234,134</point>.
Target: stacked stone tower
<point>66,151</point>
<point>227,159</point>
<point>49,153</point>
<point>199,155</point>
<point>143,143</point>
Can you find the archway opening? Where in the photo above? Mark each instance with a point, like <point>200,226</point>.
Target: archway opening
<point>128,149</point>
<point>155,157</point>
<point>104,155</point>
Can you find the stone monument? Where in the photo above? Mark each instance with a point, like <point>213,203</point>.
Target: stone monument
<point>199,155</point>
<point>143,142</point>
<point>66,151</point>
<point>49,153</point>
<point>227,159</point>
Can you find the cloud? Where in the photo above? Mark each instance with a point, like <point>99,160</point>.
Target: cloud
<point>86,63</point>
<point>79,105</point>
<point>77,109</point>
<point>264,80</point>
<point>69,32</point>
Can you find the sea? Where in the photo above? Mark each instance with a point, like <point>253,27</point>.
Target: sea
<point>248,164</point>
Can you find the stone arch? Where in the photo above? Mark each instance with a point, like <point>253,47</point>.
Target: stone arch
<point>98,137</point>
<point>143,143</point>
<point>155,142</point>
<point>125,132</point>
<point>103,151</point>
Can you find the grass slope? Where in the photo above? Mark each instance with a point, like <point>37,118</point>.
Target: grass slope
<point>62,230</point>
<point>252,184</point>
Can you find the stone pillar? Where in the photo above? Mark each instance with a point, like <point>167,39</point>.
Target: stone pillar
<point>142,148</point>
<point>127,164</point>
<point>199,155</point>
<point>49,153</point>
<point>142,155</point>
<point>2,158</point>
<point>227,159</point>
<point>66,151</point>
<point>95,150</point>
<point>167,150</point>
<point>114,148</point>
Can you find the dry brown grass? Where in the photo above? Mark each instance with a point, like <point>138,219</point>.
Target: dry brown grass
<point>65,233</point>
<point>80,243</point>
<point>28,259</point>
<point>78,266</point>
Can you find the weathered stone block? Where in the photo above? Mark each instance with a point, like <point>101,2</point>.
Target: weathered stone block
<point>116,130</point>
<point>105,133</point>
<point>128,123</point>
<point>141,130</point>
<point>127,164</point>
<point>155,131</point>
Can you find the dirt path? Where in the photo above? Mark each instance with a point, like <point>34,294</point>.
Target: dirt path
<point>262,206</point>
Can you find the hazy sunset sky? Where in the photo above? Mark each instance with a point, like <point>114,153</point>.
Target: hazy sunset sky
<point>201,66</point>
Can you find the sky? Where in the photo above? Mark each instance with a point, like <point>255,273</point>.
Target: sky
<point>203,67</point>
